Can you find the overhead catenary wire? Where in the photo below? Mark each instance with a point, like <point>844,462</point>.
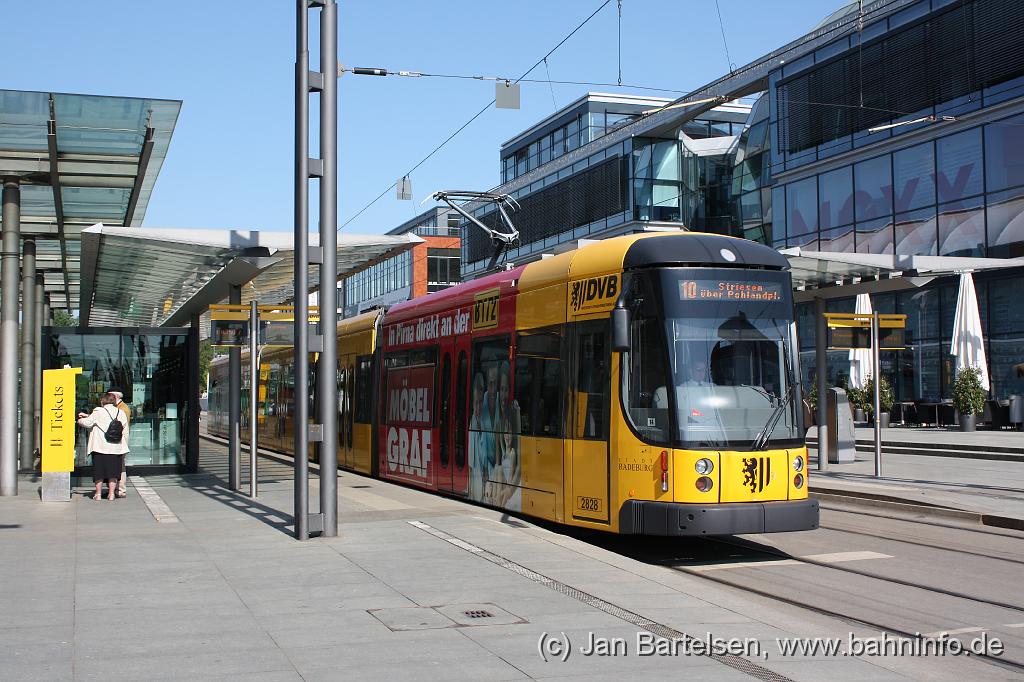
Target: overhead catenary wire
<point>620,43</point>
<point>554,102</point>
<point>477,114</point>
<point>721,25</point>
<point>424,74</point>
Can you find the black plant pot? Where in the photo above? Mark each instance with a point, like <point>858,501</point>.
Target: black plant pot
<point>967,422</point>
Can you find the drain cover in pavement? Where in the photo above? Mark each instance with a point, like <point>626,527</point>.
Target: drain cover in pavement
<point>449,616</point>
<point>412,618</point>
<point>478,614</point>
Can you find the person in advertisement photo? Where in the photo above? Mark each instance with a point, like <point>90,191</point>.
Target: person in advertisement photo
<point>505,475</point>
<point>478,466</point>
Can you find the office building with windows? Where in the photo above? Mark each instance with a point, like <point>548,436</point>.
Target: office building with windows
<point>429,266</point>
<point>607,165</point>
<point>893,128</point>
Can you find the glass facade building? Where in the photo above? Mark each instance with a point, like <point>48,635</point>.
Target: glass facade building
<point>624,183</point>
<point>842,180</point>
<point>899,134</point>
<point>152,368</point>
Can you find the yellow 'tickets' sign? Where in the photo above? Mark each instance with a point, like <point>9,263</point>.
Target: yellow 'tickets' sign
<point>58,427</point>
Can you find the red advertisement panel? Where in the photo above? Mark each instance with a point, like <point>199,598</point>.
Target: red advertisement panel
<point>408,425</point>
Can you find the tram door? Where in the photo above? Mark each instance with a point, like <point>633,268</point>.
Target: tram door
<point>589,411</point>
<point>444,403</point>
<point>346,405</point>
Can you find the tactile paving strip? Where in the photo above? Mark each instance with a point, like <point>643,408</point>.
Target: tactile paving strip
<point>157,507</point>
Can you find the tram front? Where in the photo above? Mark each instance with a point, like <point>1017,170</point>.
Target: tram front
<point>710,382</point>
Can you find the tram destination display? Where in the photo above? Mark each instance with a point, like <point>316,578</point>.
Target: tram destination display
<point>729,290</point>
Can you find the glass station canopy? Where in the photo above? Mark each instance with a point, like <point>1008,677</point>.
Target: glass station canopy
<point>82,160</point>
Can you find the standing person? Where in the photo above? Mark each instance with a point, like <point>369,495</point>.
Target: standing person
<point>118,397</point>
<point>107,457</point>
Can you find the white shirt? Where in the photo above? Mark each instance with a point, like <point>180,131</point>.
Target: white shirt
<point>97,423</point>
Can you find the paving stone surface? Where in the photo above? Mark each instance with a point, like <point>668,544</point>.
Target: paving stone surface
<point>103,590</point>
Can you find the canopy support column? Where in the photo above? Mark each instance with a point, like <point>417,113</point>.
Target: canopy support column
<point>27,431</point>
<point>821,378</point>
<point>9,336</point>
<point>234,403</point>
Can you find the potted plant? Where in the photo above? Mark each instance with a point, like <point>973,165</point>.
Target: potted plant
<point>968,397</point>
<point>856,398</point>
<point>811,406</point>
<point>884,399</point>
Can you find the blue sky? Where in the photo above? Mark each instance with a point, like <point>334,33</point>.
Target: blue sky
<point>230,160</point>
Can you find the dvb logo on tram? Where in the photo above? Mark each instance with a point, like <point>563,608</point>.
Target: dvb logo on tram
<point>593,293</point>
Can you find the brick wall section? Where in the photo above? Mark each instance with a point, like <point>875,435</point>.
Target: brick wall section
<point>419,260</point>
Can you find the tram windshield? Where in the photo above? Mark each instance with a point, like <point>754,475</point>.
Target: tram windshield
<point>727,347</point>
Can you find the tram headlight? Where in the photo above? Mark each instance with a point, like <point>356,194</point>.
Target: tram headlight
<point>798,463</point>
<point>798,481</point>
<point>704,466</point>
<point>704,484</point>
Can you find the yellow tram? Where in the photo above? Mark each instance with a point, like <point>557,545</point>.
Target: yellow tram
<point>644,384</point>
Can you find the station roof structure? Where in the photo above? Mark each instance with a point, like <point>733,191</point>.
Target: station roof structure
<point>828,274</point>
<point>81,159</point>
<point>163,276</point>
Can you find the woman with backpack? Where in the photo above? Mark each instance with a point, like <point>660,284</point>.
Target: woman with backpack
<point>107,445</point>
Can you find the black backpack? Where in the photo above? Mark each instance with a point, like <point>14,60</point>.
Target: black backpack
<point>115,430</point>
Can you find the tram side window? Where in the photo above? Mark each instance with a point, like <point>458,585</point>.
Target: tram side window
<point>644,381</point>
<point>286,396</point>
<point>592,388</point>
<point>539,388</point>
<point>443,404</point>
<point>364,383</point>
<point>461,386</point>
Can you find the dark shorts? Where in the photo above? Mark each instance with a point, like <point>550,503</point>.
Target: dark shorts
<point>106,467</point>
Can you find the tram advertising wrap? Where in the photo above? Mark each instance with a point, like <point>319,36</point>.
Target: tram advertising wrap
<point>409,423</point>
<point>516,391</point>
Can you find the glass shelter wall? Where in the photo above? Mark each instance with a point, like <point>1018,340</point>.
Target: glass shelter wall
<point>151,367</point>
<point>925,370</point>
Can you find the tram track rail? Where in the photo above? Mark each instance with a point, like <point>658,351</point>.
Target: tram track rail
<point>928,545</point>
<point>721,578</point>
<point>781,554</point>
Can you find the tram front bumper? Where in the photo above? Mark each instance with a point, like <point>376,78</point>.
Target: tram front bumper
<point>641,517</point>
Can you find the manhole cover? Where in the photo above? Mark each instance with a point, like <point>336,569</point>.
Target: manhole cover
<point>479,614</point>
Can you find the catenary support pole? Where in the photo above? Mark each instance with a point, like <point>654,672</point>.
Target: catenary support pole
<point>301,437</point>
<point>254,390</point>
<point>821,378</point>
<point>876,374</point>
<point>235,403</point>
<point>327,366</point>
<point>9,336</point>
<point>27,430</point>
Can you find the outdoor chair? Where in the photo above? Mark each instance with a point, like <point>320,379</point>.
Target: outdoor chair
<point>926,413</point>
<point>946,414</point>
<point>995,415</point>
